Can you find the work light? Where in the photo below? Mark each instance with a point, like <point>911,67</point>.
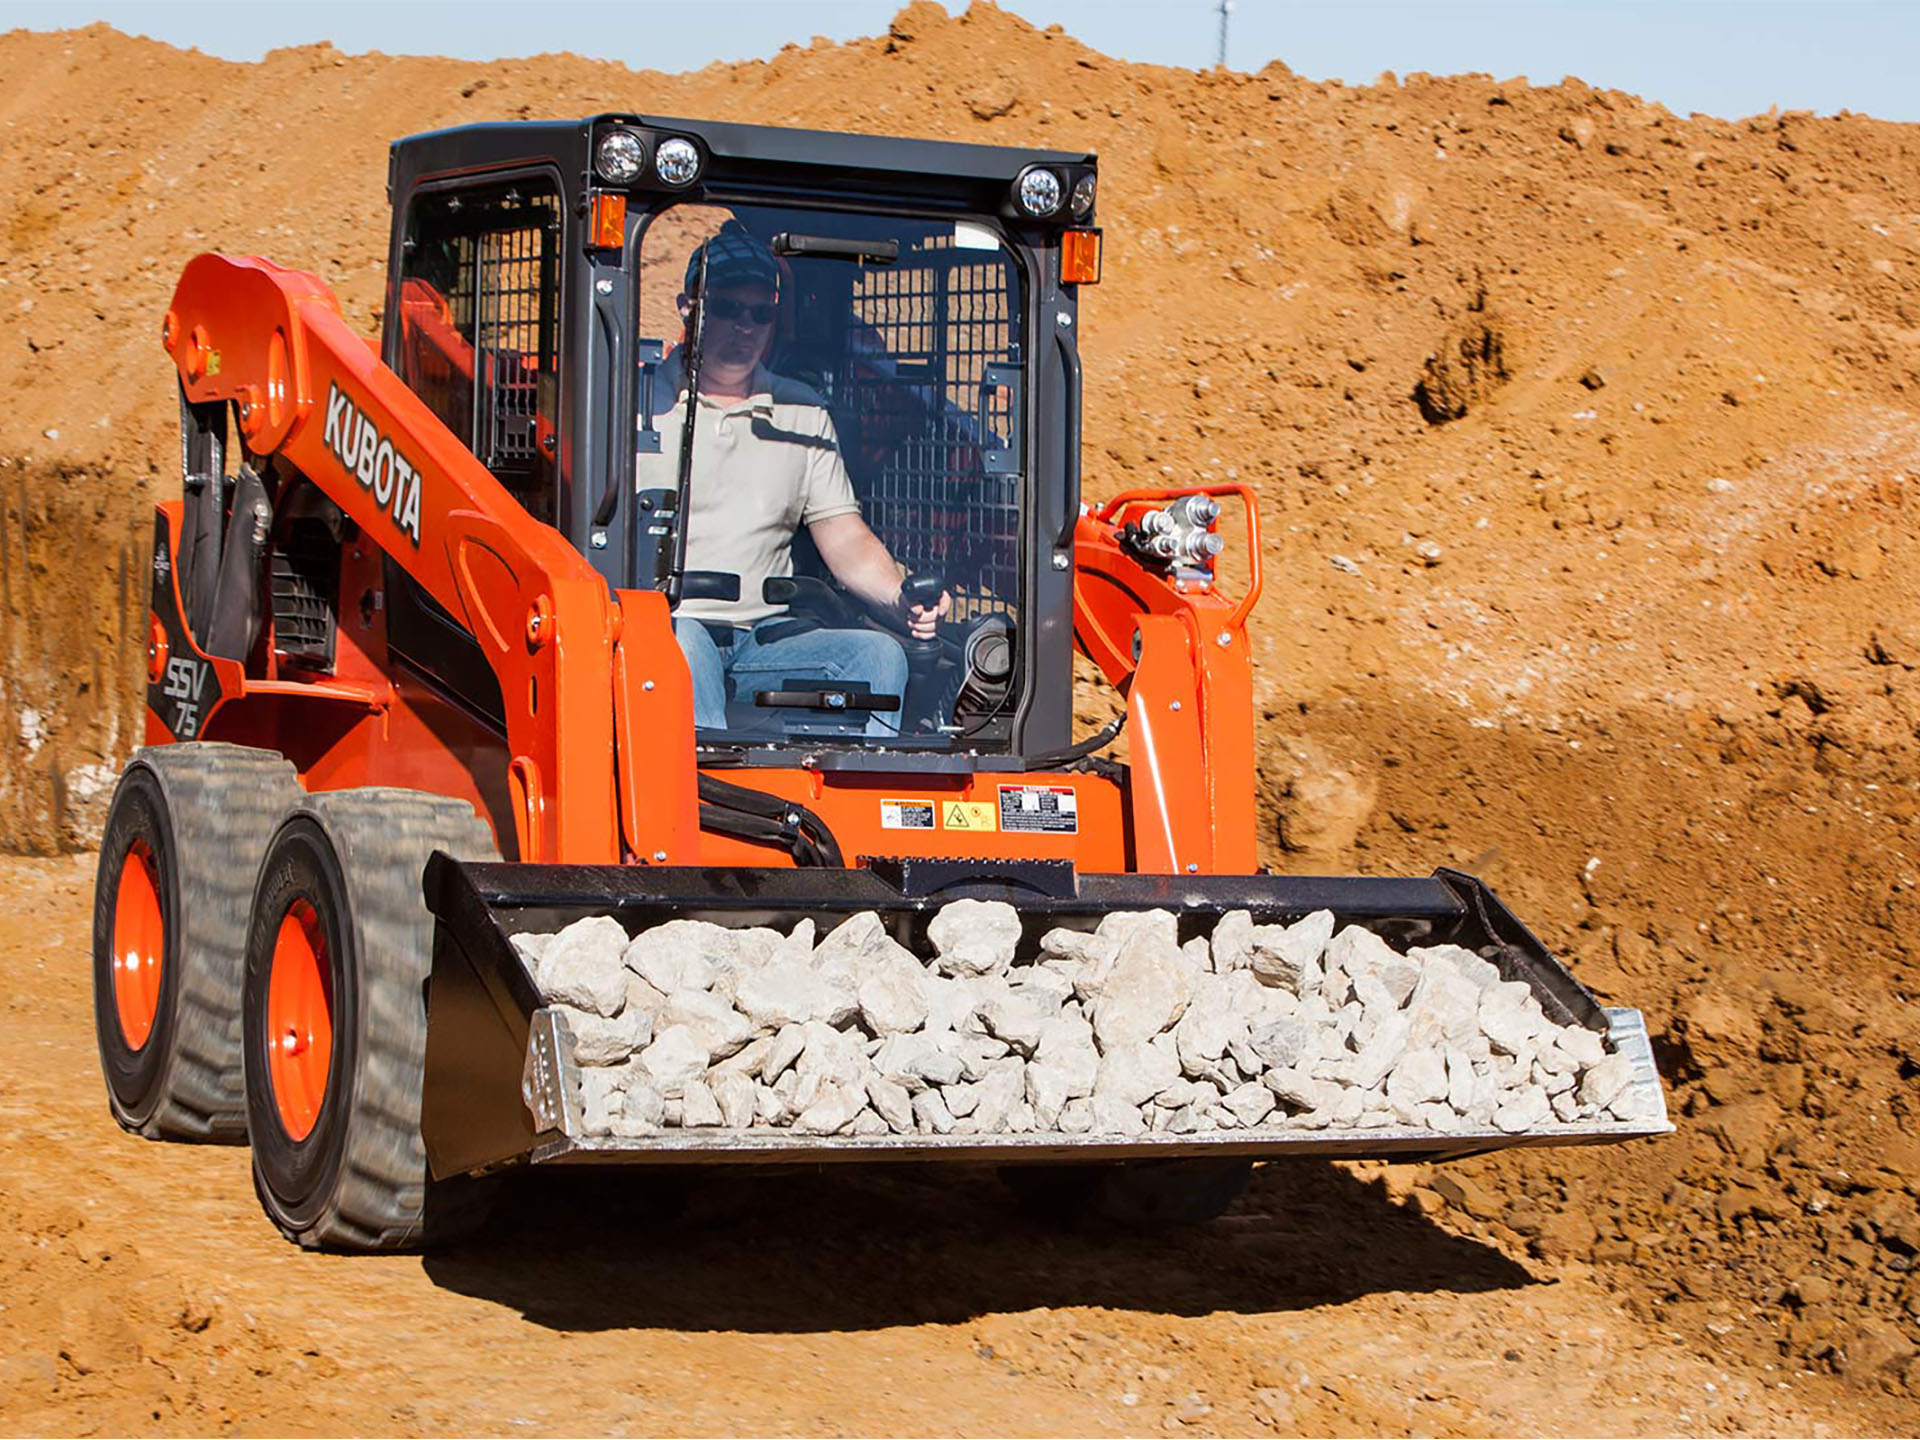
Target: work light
<point>620,157</point>
<point>1039,192</point>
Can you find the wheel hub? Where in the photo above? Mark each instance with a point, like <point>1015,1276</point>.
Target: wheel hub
<point>300,1020</point>
<point>139,942</point>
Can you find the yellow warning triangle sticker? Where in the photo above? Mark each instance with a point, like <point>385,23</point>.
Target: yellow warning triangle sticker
<point>969,815</point>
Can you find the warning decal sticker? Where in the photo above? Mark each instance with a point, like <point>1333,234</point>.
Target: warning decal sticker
<point>1048,809</point>
<point>966,815</point>
<point>906,815</point>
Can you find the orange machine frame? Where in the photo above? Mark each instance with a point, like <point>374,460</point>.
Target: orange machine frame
<point>598,761</point>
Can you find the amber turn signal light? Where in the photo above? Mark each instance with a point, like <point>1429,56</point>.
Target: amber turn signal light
<point>1080,257</point>
<point>609,229</point>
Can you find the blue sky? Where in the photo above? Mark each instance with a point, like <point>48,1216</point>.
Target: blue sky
<point>1725,57</point>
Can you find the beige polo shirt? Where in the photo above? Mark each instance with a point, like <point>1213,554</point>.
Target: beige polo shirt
<point>763,466</point>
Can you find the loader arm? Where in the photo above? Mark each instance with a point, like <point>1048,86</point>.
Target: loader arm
<point>309,390</point>
<point>1177,649</point>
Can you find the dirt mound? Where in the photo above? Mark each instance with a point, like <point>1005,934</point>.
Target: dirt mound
<point>74,546</point>
<point>1587,441</point>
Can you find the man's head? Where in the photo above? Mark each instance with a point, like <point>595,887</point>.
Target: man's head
<point>742,288</point>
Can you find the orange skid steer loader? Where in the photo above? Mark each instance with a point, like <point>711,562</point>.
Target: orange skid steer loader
<point>419,680</point>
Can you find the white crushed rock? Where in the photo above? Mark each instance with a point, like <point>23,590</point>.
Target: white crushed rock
<point>1118,1030</point>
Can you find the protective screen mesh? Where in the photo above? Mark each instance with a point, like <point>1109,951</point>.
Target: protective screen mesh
<point>925,421</point>
<point>479,310</point>
<point>514,337</point>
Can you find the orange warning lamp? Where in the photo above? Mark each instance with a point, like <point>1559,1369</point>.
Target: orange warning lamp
<point>1080,257</point>
<point>609,228</point>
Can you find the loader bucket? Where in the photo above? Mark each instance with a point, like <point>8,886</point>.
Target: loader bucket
<point>499,1089</point>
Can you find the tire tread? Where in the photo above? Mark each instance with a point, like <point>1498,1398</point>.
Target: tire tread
<point>224,802</point>
<point>383,838</point>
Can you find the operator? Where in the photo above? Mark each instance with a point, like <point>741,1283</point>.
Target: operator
<point>765,461</point>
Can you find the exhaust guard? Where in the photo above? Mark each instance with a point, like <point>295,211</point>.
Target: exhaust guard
<point>499,1091</point>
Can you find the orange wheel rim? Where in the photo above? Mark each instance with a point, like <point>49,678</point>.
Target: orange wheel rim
<point>139,941</point>
<point>299,1020</point>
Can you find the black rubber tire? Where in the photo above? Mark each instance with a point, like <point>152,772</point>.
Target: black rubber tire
<point>358,1181</point>
<point>1136,1195</point>
<point>206,812</point>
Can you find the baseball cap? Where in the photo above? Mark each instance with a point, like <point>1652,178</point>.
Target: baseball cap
<point>733,257</point>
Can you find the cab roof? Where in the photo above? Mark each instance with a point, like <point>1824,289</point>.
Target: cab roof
<point>750,156</point>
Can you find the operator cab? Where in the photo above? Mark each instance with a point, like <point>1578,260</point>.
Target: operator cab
<point>918,335</point>
<point>894,347</point>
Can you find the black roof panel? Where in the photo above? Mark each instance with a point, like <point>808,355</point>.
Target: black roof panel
<point>784,144</point>
<point>491,142</point>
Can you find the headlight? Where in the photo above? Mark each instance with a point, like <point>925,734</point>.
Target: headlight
<point>1082,199</point>
<point>620,157</point>
<point>676,161</point>
<point>1039,193</point>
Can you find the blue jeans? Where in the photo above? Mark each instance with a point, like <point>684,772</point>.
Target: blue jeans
<point>824,655</point>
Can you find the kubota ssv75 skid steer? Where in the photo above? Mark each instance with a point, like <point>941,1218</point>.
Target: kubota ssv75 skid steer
<point>415,695</point>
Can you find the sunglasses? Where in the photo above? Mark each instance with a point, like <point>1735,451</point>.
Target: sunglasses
<point>721,308</point>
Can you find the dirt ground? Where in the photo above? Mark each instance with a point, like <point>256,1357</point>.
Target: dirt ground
<point>1587,441</point>
<point>146,1293</point>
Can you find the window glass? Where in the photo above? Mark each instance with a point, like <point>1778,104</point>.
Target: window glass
<point>886,356</point>
<point>479,308</point>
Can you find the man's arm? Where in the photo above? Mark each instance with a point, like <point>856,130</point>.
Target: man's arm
<point>859,561</point>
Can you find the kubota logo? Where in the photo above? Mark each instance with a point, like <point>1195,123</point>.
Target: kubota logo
<point>372,459</point>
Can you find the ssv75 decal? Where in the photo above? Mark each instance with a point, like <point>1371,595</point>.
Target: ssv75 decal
<point>185,680</point>
<point>371,458</point>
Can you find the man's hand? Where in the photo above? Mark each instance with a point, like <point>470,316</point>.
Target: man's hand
<point>923,622</point>
<point>860,562</point>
